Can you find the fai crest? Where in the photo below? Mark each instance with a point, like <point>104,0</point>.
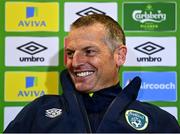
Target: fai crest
<point>136,119</point>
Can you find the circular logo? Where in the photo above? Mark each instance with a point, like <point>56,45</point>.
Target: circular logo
<point>136,119</point>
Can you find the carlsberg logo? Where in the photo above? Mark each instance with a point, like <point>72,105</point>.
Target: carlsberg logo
<point>143,17</point>
<point>153,16</point>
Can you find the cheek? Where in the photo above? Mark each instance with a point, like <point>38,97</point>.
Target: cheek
<point>68,63</point>
<point>101,62</point>
<point>96,62</point>
<point>105,60</point>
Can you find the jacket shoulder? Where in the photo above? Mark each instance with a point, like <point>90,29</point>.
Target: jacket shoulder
<point>26,117</point>
<point>46,99</point>
<point>41,102</point>
<point>158,118</point>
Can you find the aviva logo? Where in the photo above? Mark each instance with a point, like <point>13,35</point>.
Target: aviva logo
<point>31,12</point>
<point>26,86</point>
<point>31,81</point>
<point>32,16</point>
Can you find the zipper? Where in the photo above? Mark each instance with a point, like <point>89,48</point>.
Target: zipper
<point>78,98</point>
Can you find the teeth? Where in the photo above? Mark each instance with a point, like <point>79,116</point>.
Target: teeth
<point>83,74</point>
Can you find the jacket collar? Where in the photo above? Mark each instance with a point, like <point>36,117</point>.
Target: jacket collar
<point>115,109</point>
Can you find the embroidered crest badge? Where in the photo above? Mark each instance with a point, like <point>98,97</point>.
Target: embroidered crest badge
<point>136,119</point>
<point>53,112</point>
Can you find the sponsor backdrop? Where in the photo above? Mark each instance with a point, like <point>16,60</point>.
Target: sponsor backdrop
<point>32,36</point>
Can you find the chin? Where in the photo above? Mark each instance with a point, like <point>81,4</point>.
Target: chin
<point>83,89</point>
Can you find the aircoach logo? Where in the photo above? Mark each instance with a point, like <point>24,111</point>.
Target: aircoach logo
<point>155,86</point>
<point>26,86</point>
<point>31,48</point>
<point>29,16</point>
<point>149,16</point>
<point>151,51</point>
<point>32,51</point>
<point>88,11</point>
<point>73,10</point>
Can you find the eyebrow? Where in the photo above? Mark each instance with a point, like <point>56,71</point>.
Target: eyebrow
<point>85,48</point>
<point>88,47</point>
<point>68,49</point>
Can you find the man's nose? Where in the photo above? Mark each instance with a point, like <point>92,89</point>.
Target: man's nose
<point>78,59</point>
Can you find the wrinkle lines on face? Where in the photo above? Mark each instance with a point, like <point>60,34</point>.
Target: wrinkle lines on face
<point>91,64</point>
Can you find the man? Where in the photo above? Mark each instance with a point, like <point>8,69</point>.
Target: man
<point>92,100</point>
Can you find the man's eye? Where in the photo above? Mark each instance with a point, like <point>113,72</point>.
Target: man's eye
<point>70,54</point>
<point>90,52</point>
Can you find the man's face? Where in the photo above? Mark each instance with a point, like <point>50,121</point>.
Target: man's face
<point>90,62</point>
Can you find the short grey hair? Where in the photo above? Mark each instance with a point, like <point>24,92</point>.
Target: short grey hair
<point>115,34</point>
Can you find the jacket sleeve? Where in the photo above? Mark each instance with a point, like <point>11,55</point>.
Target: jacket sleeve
<point>174,125</point>
<point>165,122</point>
<point>24,120</point>
<point>160,121</point>
<point>169,123</point>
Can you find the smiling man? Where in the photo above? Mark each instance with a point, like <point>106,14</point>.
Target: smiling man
<point>92,99</point>
<point>91,63</point>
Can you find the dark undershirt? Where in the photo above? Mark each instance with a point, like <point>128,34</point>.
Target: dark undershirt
<point>97,105</point>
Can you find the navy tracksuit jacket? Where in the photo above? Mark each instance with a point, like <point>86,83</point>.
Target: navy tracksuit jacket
<point>67,113</point>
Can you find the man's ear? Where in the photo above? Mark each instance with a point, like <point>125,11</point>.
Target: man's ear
<point>120,55</point>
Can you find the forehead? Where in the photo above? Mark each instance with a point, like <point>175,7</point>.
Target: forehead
<point>90,36</point>
<point>87,32</point>
<point>93,36</point>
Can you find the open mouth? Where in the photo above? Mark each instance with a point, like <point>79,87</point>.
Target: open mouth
<point>84,73</point>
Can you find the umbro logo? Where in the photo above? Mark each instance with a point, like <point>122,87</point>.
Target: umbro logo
<point>32,48</point>
<point>88,11</point>
<point>149,48</point>
<point>53,112</point>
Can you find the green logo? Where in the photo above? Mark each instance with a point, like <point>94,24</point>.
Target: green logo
<point>149,16</point>
<point>136,119</point>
